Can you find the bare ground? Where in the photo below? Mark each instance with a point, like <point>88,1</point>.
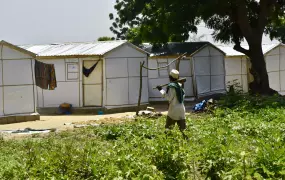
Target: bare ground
<point>67,122</point>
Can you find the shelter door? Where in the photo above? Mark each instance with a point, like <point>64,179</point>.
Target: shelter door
<point>202,70</point>
<point>209,75</point>
<point>92,85</point>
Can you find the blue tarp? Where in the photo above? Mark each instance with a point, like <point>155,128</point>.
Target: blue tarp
<point>200,106</point>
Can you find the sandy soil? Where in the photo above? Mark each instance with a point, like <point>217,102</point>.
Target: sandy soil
<point>67,122</point>
<point>60,122</point>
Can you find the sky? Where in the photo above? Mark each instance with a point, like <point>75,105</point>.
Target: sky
<point>57,21</point>
<point>51,21</point>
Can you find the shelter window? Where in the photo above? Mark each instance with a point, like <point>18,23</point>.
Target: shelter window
<point>163,72</point>
<point>72,71</point>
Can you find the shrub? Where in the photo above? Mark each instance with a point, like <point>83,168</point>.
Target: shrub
<point>242,141</point>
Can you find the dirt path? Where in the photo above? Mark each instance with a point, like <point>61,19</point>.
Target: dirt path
<point>58,122</point>
<point>66,122</point>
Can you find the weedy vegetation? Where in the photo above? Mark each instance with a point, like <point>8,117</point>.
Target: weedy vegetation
<point>242,138</point>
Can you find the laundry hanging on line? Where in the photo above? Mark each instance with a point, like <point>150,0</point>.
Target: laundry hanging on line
<point>45,75</point>
<point>87,72</point>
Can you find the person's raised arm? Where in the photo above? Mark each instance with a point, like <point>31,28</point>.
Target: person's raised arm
<point>167,95</point>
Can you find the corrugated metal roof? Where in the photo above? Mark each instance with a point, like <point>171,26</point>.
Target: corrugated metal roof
<point>74,49</point>
<point>174,48</point>
<point>231,52</point>
<point>2,42</point>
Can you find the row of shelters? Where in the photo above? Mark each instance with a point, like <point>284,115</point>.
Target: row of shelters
<point>106,74</point>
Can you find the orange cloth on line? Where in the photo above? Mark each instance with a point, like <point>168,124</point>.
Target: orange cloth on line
<point>52,82</point>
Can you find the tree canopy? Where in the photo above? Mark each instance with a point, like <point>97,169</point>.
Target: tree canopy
<point>278,30</point>
<point>161,21</point>
<point>105,38</point>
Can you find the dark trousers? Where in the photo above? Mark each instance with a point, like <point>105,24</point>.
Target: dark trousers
<point>170,123</point>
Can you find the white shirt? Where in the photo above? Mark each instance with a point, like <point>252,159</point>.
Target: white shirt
<point>176,110</point>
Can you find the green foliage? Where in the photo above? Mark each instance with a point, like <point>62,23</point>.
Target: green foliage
<point>277,29</point>
<point>242,141</point>
<point>160,21</point>
<point>105,38</point>
<point>134,35</point>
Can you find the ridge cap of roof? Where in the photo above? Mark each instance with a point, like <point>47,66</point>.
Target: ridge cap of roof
<point>75,42</point>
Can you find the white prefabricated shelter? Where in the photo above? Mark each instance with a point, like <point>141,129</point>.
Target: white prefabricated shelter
<point>238,64</point>
<point>203,68</point>
<point>113,83</point>
<point>17,97</point>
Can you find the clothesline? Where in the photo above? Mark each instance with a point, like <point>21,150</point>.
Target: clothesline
<point>141,67</point>
<point>165,65</point>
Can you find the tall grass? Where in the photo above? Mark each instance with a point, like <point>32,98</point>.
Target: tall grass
<point>243,138</point>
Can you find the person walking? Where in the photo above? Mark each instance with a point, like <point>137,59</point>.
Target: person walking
<point>175,96</point>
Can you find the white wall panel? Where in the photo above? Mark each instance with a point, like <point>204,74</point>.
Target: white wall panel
<point>1,74</point>
<point>282,80</point>
<point>59,65</point>
<point>80,69</point>
<point>188,87</point>
<point>117,91</point>
<point>152,63</point>
<point>134,66</point>
<point>282,61</point>
<point>18,99</point>
<point>244,83</point>
<point>230,79</point>
<point>240,79</point>
<point>66,92</point>
<point>81,100</point>
<point>40,97</point>
<point>71,60</point>
<point>163,72</point>
<point>244,62</point>
<point>203,84</point>
<point>274,51</point>
<point>204,52</point>
<point>1,45</point>
<point>155,82</point>
<point>104,83</point>
<point>274,80</point>
<point>134,86</point>
<point>125,51</point>
<point>217,83</point>
<point>185,68</point>
<point>17,72</point>
<point>272,63</point>
<point>282,49</point>
<point>249,75</point>
<point>9,53</point>
<point>202,65</point>
<point>233,66</point>
<point>215,52</point>
<point>116,68</point>
<point>173,65</point>
<point>1,102</point>
<point>154,93</point>
<point>217,65</point>
<point>162,60</point>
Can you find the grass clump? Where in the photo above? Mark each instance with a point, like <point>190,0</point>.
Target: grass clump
<point>241,139</point>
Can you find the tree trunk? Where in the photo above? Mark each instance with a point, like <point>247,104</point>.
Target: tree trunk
<point>258,70</point>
